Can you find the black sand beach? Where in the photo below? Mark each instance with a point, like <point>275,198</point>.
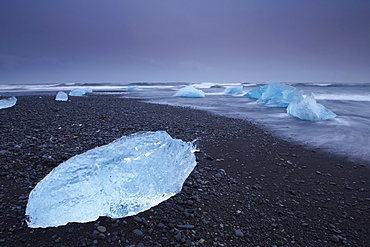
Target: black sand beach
<point>248,188</point>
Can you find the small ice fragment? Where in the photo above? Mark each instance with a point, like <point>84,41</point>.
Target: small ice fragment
<point>308,109</point>
<point>133,88</point>
<point>189,92</point>
<point>123,178</point>
<point>279,95</point>
<point>234,90</point>
<point>61,96</point>
<point>8,102</point>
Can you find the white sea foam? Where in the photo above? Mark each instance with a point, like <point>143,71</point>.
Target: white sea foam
<point>354,97</point>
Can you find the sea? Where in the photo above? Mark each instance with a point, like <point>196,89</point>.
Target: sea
<point>347,135</point>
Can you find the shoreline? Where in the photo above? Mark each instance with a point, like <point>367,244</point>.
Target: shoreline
<point>248,188</point>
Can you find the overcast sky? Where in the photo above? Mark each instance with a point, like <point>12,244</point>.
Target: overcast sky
<point>184,40</point>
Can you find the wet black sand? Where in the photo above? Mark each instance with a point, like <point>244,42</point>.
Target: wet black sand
<point>248,189</point>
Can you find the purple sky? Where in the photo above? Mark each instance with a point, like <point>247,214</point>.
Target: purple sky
<point>184,40</point>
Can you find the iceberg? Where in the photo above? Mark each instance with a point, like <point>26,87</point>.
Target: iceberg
<point>123,178</point>
<point>309,109</point>
<point>189,92</point>
<point>8,102</point>
<point>279,95</point>
<point>77,92</point>
<point>234,90</point>
<point>80,91</point>
<point>61,96</point>
<point>133,88</point>
<point>88,90</point>
<point>257,92</point>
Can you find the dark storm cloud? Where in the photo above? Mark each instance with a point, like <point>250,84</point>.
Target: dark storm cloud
<point>236,40</point>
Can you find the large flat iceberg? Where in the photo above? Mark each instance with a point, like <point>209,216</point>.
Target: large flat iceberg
<point>279,95</point>
<point>309,109</point>
<point>119,179</point>
<point>8,102</point>
<point>189,92</point>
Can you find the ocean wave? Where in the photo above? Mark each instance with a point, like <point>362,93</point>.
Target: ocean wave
<point>330,84</point>
<point>342,97</point>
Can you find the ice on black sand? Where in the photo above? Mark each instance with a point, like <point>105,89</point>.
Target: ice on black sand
<point>279,95</point>
<point>309,109</point>
<point>61,96</point>
<point>80,91</point>
<point>8,102</point>
<point>123,178</point>
<point>189,92</point>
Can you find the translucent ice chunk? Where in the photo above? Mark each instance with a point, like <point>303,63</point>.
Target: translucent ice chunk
<point>80,91</point>
<point>189,92</point>
<point>133,88</point>
<point>120,179</point>
<point>308,109</point>
<point>88,90</point>
<point>279,95</point>
<point>8,102</point>
<point>234,90</point>
<point>61,96</point>
<point>257,92</point>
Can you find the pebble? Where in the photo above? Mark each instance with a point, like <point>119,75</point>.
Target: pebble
<point>138,219</point>
<point>101,229</point>
<point>161,225</point>
<point>334,238</point>
<point>239,233</point>
<point>178,236</point>
<point>210,204</point>
<point>137,232</point>
<point>201,241</point>
<point>101,236</point>
<point>186,226</point>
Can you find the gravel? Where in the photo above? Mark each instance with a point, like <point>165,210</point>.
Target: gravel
<point>249,188</point>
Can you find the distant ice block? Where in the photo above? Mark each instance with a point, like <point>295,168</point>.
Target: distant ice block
<point>77,92</point>
<point>120,179</point>
<point>234,90</point>
<point>80,91</point>
<point>189,92</point>
<point>308,109</point>
<point>8,102</point>
<point>88,90</point>
<point>133,88</point>
<point>279,95</point>
<point>257,92</point>
<point>61,96</point>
